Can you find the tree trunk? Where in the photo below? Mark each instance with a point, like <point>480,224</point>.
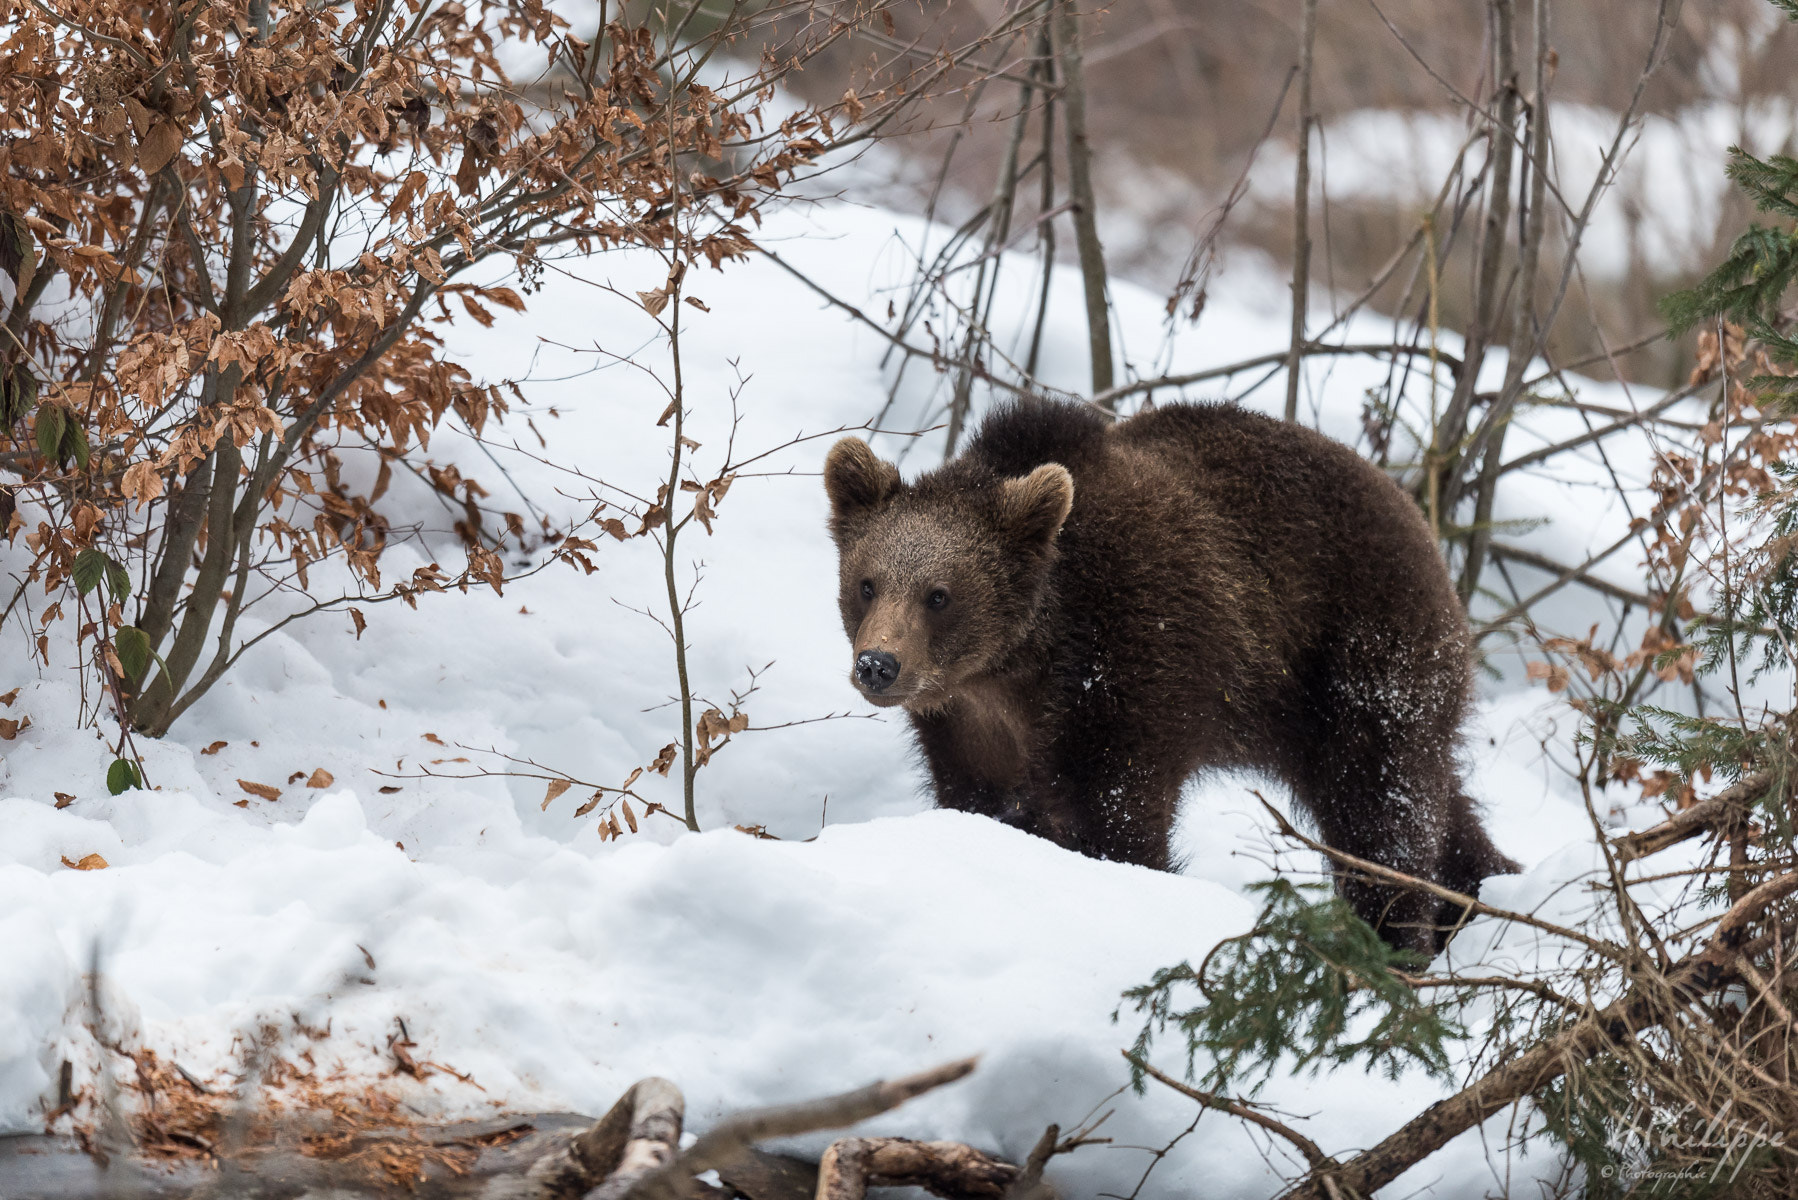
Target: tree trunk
<point>1080,194</point>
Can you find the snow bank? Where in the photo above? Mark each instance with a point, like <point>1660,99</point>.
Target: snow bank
<point>751,971</point>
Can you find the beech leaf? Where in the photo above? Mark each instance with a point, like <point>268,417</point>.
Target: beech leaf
<point>133,646</point>
<point>90,569</point>
<point>49,430</point>
<point>556,788</point>
<point>159,146</point>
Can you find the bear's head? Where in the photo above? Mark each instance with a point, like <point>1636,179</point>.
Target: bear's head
<point>939,581</point>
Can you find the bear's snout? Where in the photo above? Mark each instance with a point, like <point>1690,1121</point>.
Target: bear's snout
<point>876,670</point>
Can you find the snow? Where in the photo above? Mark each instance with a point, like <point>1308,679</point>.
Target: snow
<point>552,969</point>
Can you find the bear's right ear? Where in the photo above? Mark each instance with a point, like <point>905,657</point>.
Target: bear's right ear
<point>855,480</point>
<point>1035,506</point>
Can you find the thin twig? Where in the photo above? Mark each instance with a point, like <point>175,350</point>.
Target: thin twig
<point>1313,1154</point>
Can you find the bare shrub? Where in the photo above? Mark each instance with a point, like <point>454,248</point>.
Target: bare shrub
<point>231,235</point>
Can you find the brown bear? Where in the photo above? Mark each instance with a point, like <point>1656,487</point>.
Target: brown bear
<point>1078,614</point>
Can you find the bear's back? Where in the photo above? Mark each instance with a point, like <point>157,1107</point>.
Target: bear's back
<point>1343,551</point>
<point>1287,528</point>
<point>1018,437</point>
<point>1291,488</point>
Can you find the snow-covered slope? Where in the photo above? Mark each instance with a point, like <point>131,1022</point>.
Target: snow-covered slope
<point>553,969</point>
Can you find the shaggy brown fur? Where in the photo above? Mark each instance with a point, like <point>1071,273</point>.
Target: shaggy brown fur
<point>1079,615</point>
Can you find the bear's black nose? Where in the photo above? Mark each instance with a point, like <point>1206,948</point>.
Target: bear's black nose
<point>876,670</point>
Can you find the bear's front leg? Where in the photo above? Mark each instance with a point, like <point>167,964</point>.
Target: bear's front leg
<point>1022,807</point>
<point>970,777</point>
<point>1124,809</point>
<point>1046,817</point>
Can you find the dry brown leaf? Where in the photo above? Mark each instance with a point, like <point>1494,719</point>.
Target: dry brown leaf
<point>9,729</point>
<point>159,146</point>
<point>91,862</point>
<point>390,789</point>
<point>321,778</point>
<point>141,482</point>
<point>556,788</point>
<point>664,760</point>
<point>503,295</point>
<point>434,739</point>
<point>63,799</point>
<point>477,312</point>
<point>1553,673</point>
<point>9,697</point>
<point>215,747</point>
<point>141,117</point>
<point>262,791</point>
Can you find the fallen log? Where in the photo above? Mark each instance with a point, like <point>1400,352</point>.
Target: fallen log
<point>718,1147</point>
<point>948,1169</point>
<point>638,1134</point>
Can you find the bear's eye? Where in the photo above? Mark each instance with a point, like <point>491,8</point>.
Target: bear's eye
<point>937,599</point>
<point>867,590</point>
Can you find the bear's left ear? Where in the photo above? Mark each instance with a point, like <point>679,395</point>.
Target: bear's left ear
<point>1035,506</point>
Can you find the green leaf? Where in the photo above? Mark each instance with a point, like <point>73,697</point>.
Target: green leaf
<point>18,392</point>
<point>90,569</point>
<point>118,579</point>
<point>94,567</point>
<point>74,444</point>
<point>49,430</point>
<point>122,776</point>
<point>18,251</point>
<point>133,646</point>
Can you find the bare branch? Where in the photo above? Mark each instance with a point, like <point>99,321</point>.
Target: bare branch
<point>1726,810</point>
